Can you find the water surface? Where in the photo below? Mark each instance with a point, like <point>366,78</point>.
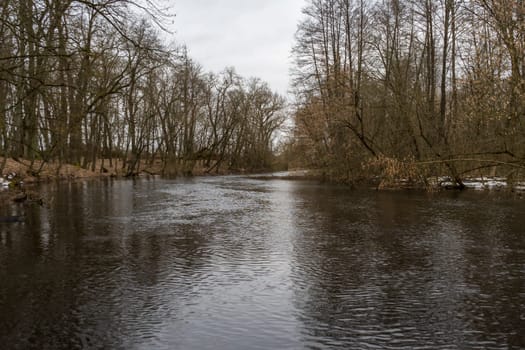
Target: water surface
<point>235,263</point>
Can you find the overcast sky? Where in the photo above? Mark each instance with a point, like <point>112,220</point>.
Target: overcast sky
<point>254,36</point>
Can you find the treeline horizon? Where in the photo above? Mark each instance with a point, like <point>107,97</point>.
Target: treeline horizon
<point>406,89</point>
<point>82,80</point>
<point>388,89</point>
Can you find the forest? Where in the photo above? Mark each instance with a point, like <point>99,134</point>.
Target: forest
<point>88,80</point>
<point>390,89</point>
<point>408,89</point>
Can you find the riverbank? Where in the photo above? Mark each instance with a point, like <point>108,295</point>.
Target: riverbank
<point>289,175</point>
<point>22,172</point>
<point>18,175</point>
<point>436,183</point>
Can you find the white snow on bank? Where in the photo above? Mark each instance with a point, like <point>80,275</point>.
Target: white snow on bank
<point>4,183</point>
<point>479,183</point>
<point>6,180</point>
<point>520,186</point>
<point>490,184</point>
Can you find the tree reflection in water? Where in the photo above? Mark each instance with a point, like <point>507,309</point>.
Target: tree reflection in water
<point>227,262</point>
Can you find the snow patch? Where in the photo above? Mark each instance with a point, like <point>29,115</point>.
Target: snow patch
<point>7,180</point>
<point>4,183</point>
<point>481,183</point>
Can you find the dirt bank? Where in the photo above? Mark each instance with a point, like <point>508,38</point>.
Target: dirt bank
<point>39,171</point>
<point>16,173</point>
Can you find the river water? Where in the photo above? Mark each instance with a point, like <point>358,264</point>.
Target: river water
<point>236,263</point>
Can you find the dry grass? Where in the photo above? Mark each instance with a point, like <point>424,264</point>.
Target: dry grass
<point>38,171</point>
<point>48,171</point>
<point>394,173</point>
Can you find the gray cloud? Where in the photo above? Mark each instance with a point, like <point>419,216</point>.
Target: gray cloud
<point>254,36</point>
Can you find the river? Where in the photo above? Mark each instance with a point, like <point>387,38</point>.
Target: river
<point>235,263</point>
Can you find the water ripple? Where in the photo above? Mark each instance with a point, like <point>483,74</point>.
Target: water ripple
<point>233,263</point>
